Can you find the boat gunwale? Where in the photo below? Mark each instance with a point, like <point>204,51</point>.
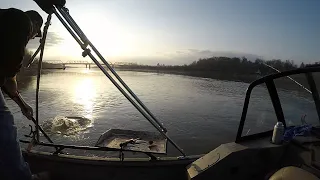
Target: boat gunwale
<point>112,161</point>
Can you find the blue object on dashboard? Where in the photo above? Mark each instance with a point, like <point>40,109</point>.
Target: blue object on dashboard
<point>294,131</point>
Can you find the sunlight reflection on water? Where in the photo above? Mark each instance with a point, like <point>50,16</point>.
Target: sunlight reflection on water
<point>84,94</point>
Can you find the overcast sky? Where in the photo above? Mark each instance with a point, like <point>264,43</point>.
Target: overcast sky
<point>180,31</point>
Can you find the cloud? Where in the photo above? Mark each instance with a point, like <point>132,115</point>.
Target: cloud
<point>52,40</point>
<point>179,52</point>
<point>193,50</point>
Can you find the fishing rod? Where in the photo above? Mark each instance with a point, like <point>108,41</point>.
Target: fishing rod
<point>299,84</point>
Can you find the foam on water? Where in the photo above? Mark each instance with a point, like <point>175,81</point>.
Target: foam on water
<point>67,125</point>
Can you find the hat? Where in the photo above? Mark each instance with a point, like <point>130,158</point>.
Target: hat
<point>35,17</point>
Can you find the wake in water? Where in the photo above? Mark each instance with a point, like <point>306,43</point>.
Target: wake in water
<point>69,125</point>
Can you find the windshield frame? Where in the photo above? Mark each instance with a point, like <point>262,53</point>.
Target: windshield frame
<point>273,93</point>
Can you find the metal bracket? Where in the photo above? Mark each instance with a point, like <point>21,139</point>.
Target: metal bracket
<point>85,52</point>
<point>152,157</point>
<point>121,155</point>
<point>32,135</point>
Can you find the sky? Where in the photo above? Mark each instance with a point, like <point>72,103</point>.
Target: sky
<point>182,31</point>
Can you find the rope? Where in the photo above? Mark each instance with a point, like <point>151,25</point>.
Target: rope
<point>42,44</point>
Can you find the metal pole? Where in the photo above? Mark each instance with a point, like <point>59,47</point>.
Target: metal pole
<point>68,28</point>
<point>108,75</point>
<point>116,84</point>
<point>74,25</point>
<point>65,13</point>
<point>43,41</point>
<point>127,87</point>
<point>133,103</point>
<point>81,35</point>
<point>315,93</point>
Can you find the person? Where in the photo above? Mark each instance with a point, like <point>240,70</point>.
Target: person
<point>17,28</point>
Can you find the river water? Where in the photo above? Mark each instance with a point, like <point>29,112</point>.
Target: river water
<point>199,113</point>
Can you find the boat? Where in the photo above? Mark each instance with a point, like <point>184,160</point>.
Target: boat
<point>251,156</point>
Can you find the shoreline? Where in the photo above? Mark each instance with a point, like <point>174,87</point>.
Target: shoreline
<point>283,83</point>
<point>25,76</point>
<point>204,74</point>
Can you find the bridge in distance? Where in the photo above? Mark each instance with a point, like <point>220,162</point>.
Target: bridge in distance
<point>86,63</point>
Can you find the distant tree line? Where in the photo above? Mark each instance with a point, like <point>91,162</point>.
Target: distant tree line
<point>235,68</point>
<point>240,65</point>
<point>227,65</point>
<point>33,67</point>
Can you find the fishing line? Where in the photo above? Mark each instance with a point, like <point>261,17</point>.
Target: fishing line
<point>299,84</point>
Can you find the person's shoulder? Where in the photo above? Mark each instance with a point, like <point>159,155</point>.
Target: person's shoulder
<point>13,17</point>
<point>13,11</point>
<point>16,14</point>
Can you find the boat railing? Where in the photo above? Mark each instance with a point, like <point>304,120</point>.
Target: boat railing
<point>273,93</point>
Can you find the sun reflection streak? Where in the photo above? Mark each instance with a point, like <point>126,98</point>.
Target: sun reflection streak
<point>84,96</point>
<point>86,71</point>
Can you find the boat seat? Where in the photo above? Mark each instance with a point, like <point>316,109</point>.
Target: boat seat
<point>292,173</point>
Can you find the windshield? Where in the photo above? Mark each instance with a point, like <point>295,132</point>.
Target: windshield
<point>297,103</point>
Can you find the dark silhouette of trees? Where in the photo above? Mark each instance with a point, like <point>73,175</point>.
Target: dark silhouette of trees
<point>235,68</point>
<point>240,66</point>
<point>226,66</point>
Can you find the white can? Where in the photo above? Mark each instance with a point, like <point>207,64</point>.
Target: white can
<point>278,132</point>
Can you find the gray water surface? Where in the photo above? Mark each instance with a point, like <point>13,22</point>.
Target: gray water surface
<point>199,113</point>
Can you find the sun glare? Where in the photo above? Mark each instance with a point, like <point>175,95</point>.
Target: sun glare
<point>84,96</point>
<point>108,36</point>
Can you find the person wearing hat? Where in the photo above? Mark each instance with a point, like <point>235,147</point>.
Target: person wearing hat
<point>17,28</point>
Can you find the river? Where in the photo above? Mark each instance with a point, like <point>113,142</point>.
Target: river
<point>199,113</point>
